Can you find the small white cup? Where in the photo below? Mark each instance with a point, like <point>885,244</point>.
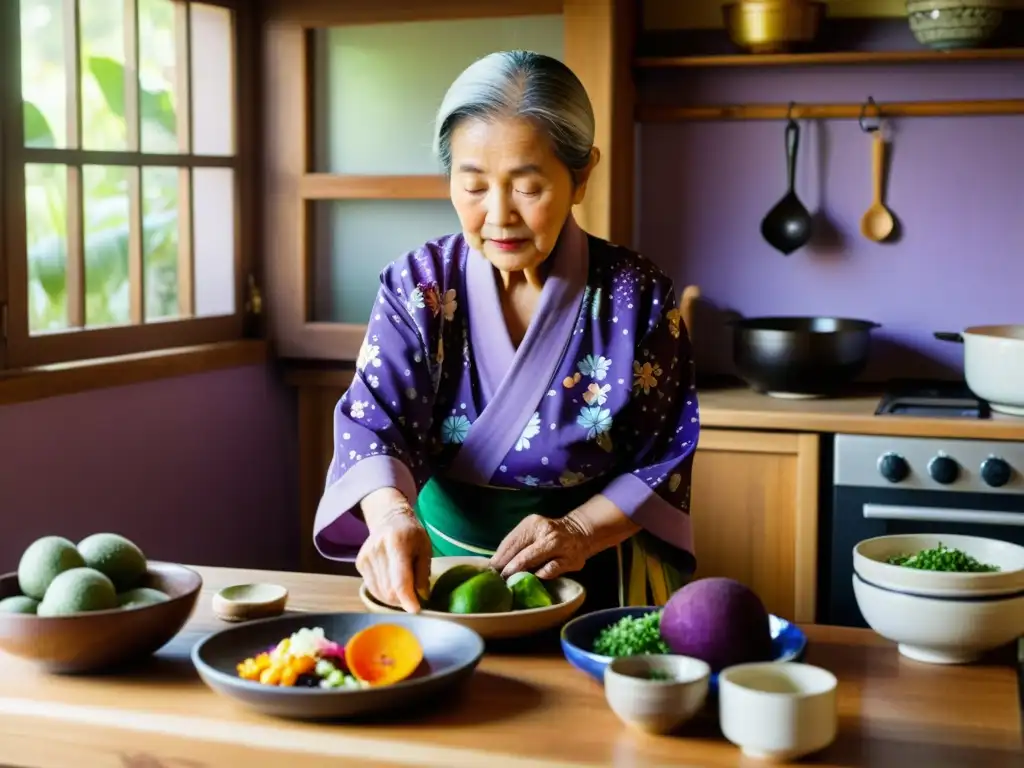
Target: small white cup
<point>778,711</point>
<point>656,705</point>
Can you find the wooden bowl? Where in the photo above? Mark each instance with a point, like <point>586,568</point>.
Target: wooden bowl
<point>244,602</point>
<point>773,26</point>
<point>568,596</point>
<point>88,642</point>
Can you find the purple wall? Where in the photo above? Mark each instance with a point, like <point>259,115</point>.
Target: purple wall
<point>198,469</point>
<point>956,186</point>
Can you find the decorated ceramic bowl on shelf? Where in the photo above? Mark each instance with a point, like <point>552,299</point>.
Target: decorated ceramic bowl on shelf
<point>952,24</point>
<point>578,635</point>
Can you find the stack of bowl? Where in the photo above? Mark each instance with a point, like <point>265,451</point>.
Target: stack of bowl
<point>941,617</point>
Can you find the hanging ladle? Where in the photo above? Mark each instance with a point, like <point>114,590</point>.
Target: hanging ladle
<point>878,222</point>
<point>787,227</point>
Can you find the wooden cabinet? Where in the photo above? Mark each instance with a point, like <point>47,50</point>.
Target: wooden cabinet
<point>318,393</point>
<point>755,515</point>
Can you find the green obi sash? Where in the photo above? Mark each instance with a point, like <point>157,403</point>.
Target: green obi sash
<point>464,519</point>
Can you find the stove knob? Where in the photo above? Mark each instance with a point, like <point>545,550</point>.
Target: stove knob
<point>893,467</point>
<point>995,472</point>
<point>943,470</point>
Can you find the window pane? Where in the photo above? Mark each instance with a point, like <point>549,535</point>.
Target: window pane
<point>158,71</point>
<point>356,239</point>
<point>43,75</point>
<point>160,242</point>
<point>379,85</point>
<point>213,80</point>
<point>101,24</point>
<point>106,222</point>
<point>46,219</point>
<point>213,217</point>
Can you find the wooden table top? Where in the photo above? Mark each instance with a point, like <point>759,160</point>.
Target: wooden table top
<point>519,709</point>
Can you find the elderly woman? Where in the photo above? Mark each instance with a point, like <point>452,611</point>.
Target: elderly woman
<point>525,390</point>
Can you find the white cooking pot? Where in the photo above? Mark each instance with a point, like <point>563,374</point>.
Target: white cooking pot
<point>994,364</point>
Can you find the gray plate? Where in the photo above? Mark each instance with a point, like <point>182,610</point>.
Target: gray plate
<point>450,654</point>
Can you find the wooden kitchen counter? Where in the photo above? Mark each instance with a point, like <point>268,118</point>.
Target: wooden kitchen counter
<point>522,709</point>
<point>737,407</point>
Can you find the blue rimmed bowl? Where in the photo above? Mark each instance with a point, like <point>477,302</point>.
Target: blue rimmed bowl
<point>578,635</point>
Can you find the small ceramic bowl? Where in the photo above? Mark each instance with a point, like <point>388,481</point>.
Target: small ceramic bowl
<point>656,694</point>
<point>778,712</point>
<point>243,602</point>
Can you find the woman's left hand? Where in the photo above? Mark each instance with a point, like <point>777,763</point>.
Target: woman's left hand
<point>549,548</point>
<point>544,546</point>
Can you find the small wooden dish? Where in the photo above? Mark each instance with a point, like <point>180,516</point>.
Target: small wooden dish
<point>243,602</point>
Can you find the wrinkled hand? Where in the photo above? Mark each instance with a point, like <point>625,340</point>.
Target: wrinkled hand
<point>544,546</point>
<point>394,561</point>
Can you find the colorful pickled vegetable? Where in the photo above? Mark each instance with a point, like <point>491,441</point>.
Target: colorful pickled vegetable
<point>383,654</point>
<point>309,659</point>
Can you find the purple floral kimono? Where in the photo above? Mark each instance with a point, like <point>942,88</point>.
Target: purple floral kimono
<point>598,398</point>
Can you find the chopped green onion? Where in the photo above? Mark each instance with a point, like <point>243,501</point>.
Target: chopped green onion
<point>942,558</point>
<point>632,636</point>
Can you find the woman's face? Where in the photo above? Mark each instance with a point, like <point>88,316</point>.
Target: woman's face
<point>511,193</point>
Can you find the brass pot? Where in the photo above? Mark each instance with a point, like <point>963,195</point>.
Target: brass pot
<point>773,26</point>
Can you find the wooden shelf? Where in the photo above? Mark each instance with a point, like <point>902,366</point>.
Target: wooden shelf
<point>654,113</point>
<point>834,58</point>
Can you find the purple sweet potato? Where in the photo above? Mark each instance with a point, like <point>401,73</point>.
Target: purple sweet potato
<point>719,621</point>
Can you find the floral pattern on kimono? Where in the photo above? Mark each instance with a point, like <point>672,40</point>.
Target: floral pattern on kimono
<point>619,408</point>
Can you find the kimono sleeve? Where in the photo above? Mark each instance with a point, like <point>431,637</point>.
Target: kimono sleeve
<point>381,425</point>
<point>654,488</point>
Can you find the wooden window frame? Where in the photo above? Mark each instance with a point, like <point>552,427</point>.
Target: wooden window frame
<point>599,39</point>
<point>19,349</point>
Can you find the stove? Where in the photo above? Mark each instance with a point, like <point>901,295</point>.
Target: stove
<point>931,398</point>
<point>884,485</point>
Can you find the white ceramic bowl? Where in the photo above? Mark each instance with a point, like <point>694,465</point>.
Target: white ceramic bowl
<point>568,595</point>
<point>778,712</point>
<point>869,558</point>
<point>940,630</point>
<point>652,705</point>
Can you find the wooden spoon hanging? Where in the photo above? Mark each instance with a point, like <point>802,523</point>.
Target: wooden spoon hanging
<point>877,223</point>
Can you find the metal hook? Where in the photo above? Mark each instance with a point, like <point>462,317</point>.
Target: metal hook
<point>870,103</point>
<point>789,111</point>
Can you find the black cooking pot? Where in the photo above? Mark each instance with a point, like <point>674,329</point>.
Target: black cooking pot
<point>800,356</point>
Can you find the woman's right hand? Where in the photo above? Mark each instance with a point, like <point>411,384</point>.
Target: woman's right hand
<point>394,561</point>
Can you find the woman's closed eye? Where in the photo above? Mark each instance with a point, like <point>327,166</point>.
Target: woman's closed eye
<point>524,192</point>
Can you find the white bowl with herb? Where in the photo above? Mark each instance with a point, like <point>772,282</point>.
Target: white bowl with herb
<point>943,565</point>
<point>656,693</point>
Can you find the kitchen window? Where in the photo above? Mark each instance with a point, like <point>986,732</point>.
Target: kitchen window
<point>125,153</point>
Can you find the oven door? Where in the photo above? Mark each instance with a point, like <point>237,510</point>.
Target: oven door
<point>860,513</point>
